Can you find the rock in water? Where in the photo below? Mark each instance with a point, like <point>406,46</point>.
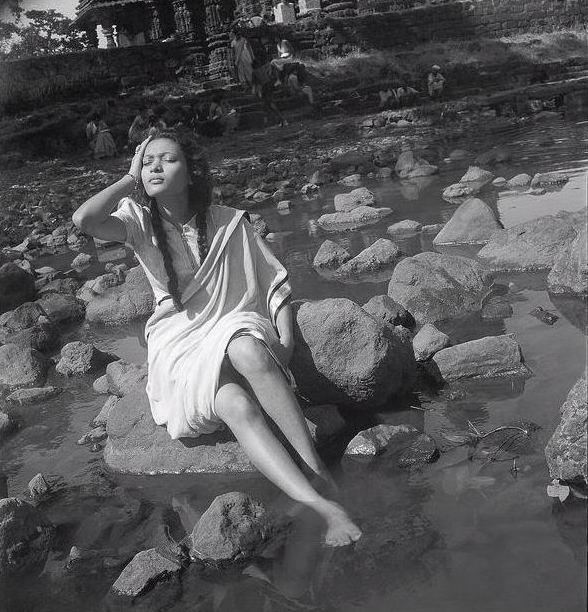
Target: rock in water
<point>328,332</point>
<point>25,538</point>
<point>79,358</point>
<point>566,450</point>
<point>385,308</point>
<point>532,245</point>
<point>422,450</point>
<point>570,270</point>
<point>383,253</point>
<point>380,439</point>
<point>21,367</point>
<point>472,223</point>
<point>330,255</point>
<point>18,286</point>
<point>145,569</point>
<point>234,528</point>
<point>429,341</point>
<point>344,202</point>
<point>433,286</point>
<point>483,358</point>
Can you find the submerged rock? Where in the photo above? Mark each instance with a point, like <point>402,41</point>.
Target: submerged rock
<point>570,270</point>
<point>25,538</point>
<point>566,450</point>
<point>487,357</point>
<point>422,450</point>
<point>82,358</point>
<point>18,286</point>
<point>330,255</point>
<point>408,226</point>
<point>532,245</point>
<point>472,223</point>
<point>327,332</point>
<point>354,219</point>
<point>234,528</point>
<point>433,286</point>
<point>144,570</point>
<point>24,397</point>
<point>344,202</point>
<point>383,253</point>
<point>472,182</point>
<point>410,166</point>
<point>381,438</point>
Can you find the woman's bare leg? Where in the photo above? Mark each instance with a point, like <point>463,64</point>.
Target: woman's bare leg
<point>241,413</point>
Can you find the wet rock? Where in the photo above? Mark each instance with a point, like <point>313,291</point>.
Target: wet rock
<point>283,205</point>
<point>99,285</point>
<point>569,274</point>
<point>7,426</point>
<point>324,422</point>
<point>549,179</point>
<point>61,285</point>
<point>434,228</point>
<point>496,308</point>
<point>122,376</point>
<point>145,570</point>
<point>79,358</point>
<point>433,286</point>
<point>25,538</point>
<point>24,397</point>
<point>97,434</point>
<point>62,307</point>
<point>124,303</point>
<point>472,223</point>
<point>423,450</point>
<point>383,307</point>
<point>487,357</point>
<point>408,226</point>
<point>345,202</point>
<point>499,181</point>
<point>472,182</point>
<point>566,449</point>
<point>327,332</point>
<point>495,155</point>
<point>429,341</point>
<point>330,255</point>
<point>18,286</point>
<point>38,487</point>
<point>520,180</point>
<point>354,219</point>
<point>136,445</point>
<point>383,253</point>
<point>353,180</point>
<point>81,260</point>
<point>234,528</point>
<point>102,417</point>
<point>100,385</point>
<point>532,245</point>
<point>410,166</point>
<point>21,367</point>
<point>381,438</point>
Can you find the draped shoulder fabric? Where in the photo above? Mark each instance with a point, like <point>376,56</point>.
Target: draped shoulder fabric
<point>239,289</point>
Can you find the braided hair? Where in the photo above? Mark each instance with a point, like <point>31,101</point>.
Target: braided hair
<point>199,197</point>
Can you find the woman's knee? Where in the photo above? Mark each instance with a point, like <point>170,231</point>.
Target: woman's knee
<point>234,406</point>
<point>248,356</point>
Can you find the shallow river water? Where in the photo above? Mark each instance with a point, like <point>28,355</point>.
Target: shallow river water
<point>450,537</point>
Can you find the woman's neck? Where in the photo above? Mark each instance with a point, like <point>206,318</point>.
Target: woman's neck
<point>176,208</point>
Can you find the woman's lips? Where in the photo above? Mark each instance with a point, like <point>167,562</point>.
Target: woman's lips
<point>156,181</point>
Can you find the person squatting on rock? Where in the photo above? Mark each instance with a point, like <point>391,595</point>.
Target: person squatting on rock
<point>220,339</point>
<point>435,82</point>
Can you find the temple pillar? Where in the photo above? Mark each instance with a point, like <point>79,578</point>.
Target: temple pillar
<point>108,32</point>
<point>155,32</point>
<point>219,15</point>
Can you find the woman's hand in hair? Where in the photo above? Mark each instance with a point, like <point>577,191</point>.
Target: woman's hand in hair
<point>137,162</point>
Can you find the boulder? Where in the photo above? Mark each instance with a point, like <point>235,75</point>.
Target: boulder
<point>475,174</point>
<point>472,182</point>
<point>18,286</point>
<point>422,450</point>
<point>570,269</point>
<point>62,307</point>
<point>7,426</point>
<point>99,285</point>
<point>136,445</point>
<point>520,180</point>
<point>429,341</point>
<point>566,450</point>
<point>344,202</point>
<point>433,286</point>
<point>22,317</point>
<point>354,219</point>
<point>101,419</point>
<point>143,571</point>
<point>21,366</point>
<point>383,253</point>
<point>43,337</point>
<point>82,358</point>
<point>410,166</point>
<point>25,538</point>
<point>122,377</point>
<point>100,385</point>
<point>472,223</point>
<point>548,179</point>
<point>408,226</point>
<point>531,245</point>
<point>234,528</point>
<point>460,190</point>
<point>81,260</point>
<point>330,255</point>
<point>124,303</point>
<point>23,397</point>
<point>383,307</point>
<point>328,332</point>
<point>487,357</point>
<point>381,438</point>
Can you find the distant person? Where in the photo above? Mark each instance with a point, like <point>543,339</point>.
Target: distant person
<point>99,138</point>
<point>155,119</point>
<point>243,57</point>
<point>435,82</point>
<point>138,130</point>
<point>405,94</point>
<point>290,73</point>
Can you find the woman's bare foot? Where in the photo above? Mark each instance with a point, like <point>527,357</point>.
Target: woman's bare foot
<point>341,530</point>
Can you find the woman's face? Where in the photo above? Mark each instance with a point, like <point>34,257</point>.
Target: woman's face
<point>165,171</point>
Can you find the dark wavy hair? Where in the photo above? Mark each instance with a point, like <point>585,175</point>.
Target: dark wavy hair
<point>199,194</point>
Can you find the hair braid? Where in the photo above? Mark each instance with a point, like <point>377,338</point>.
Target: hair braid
<point>172,277</point>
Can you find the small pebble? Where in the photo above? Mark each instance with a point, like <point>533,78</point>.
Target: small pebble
<point>96,447</point>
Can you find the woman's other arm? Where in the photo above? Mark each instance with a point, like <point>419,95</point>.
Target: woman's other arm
<point>284,323</point>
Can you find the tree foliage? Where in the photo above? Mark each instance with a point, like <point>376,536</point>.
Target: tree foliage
<point>44,33</point>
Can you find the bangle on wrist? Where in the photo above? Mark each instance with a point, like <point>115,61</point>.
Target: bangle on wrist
<point>135,179</point>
